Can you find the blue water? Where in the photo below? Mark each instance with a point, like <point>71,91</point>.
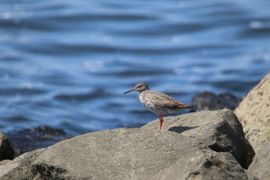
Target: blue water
<point>66,63</point>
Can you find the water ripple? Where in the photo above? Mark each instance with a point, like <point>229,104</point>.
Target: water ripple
<point>64,62</point>
<point>80,97</point>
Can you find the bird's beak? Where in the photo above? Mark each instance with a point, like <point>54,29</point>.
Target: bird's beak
<point>129,91</point>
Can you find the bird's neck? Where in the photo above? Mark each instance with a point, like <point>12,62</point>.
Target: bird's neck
<point>142,96</point>
<point>143,90</point>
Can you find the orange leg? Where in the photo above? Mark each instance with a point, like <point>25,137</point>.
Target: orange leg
<point>160,121</point>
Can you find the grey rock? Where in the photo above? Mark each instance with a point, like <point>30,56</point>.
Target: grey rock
<point>6,150</point>
<point>254,114</point>
<point>220,130</point>
<point>261,163</point>
<point>20,167</point>
<point>251,176</point>
<point>126,154</point>
<point>211,101</point>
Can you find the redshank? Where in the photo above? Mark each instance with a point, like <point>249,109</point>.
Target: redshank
<point>157,102</point>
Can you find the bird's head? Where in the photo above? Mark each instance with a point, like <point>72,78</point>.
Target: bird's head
<point>140,87</point>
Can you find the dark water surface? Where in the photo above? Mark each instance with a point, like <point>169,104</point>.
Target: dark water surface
<point>67,63</point>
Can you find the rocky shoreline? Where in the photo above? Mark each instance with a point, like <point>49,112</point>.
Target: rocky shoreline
<point>207,144</point>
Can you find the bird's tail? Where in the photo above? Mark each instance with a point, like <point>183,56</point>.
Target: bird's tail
<point>184,106</point>
<point>188,107</point>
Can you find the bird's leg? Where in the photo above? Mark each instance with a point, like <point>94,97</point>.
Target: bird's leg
<point>160,121</point>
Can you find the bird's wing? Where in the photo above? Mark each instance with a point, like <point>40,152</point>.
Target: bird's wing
<point>165,101</point>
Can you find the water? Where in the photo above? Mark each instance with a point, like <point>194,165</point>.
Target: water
<point>67,63</point>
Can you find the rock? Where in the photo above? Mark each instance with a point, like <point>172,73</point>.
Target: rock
<point>33,138</point>
<point>220,130</point>
<point>20,167</point>
<point>261,163</point>
<point>251,176</point>
<point>6,150</point>
<point>126,154</point>
<point>254,114</point>
<point>211,101</point>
